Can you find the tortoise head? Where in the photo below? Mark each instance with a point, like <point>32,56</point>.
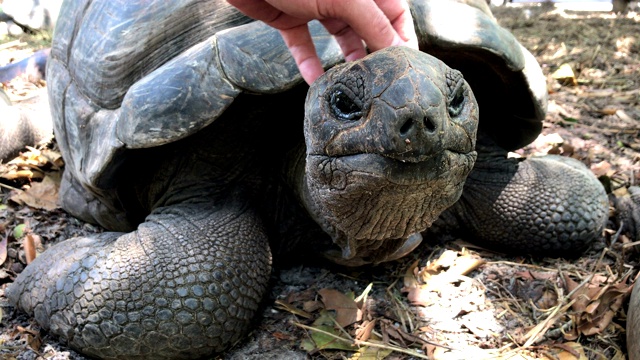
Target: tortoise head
<point>390,141</point>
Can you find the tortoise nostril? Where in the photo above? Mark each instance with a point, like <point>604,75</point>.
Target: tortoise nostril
<point>429,124</point>
<point>406,127</point>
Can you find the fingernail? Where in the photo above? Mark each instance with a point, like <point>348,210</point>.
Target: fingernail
<point>397,41</point>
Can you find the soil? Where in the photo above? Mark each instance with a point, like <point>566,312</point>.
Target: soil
<point>443,301</point>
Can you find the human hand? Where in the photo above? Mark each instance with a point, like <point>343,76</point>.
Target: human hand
<point>354,24</point>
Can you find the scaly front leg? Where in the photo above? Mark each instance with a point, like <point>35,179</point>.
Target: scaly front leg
<point>547,205</point>
<point>185,284</point>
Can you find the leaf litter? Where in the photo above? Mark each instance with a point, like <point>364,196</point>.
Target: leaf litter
<point>444,301</point>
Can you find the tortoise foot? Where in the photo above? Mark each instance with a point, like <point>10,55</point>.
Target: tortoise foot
<point>547,205</point>
<point>185,284</point>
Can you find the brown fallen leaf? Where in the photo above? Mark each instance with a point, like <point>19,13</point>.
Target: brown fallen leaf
<point>451,263</point>
<point>30,337</point>
<point>41,195</point>
<point>53,157</point>
<point>31,164</point>
<point>311,306</point>
<point>602,168</point>
<point>282,336</point>
<point>597,303</point>
<point>537,287</point>
<point>347,311</point>
<point>29,246</point>
<point>392,331</point>
<point>363,331</point>
<point>536,275</point>
<point>410,279</point>
<point>566,351</point>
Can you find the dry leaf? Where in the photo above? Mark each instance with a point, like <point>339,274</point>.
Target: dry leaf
<point>597,302</point>
<point>420,295</point>
<point>452,263</point>
<point>566,351</point>
<point>31,337</point>
<point>623,116</point>
<point>363,331</point>
<point>324,335</point>
<point>370,352</point>
<point>41,195</point>
<point>602,168</point>
<point>410,279</point>
<point>347,311</point>
<point>53,157</point>
<point>29,245</point>
<point>446,272</point>
<point>311,306</point>
<point>565,75</point>
<point>13,174</point>
<point>282,336</point>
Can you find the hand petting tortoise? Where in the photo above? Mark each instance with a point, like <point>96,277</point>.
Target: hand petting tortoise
<point>354,24</point>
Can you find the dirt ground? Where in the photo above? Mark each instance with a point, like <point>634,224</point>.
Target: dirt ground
<point>443,301</point>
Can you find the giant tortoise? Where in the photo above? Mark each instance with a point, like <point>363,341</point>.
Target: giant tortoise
<point>188,133</point>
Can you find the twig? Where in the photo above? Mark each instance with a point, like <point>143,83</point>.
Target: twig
<point>365,343</point>
<point>595,53</point>
<point>401,310</point>
<point>535,334</point>
<point>10,44</point>
<point>9,187</point>
<point>520,264</point>
<point>556,333</point>
<point>583,283</point>
<point>617,234</point>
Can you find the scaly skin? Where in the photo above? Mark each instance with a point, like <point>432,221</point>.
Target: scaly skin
<point>185,284</point>
<point>548,205</point>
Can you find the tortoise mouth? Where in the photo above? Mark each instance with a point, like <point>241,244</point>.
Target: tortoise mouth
<point>335,171</point>
<point>375,253</point>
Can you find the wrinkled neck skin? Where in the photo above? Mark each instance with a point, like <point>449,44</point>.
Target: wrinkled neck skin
<point>346,251</point>
<point>370,219</point>
<point>492,157</point>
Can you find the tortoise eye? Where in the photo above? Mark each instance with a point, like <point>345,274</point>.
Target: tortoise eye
<point>457,102</point>
<point>345,105</point>
<point>457,97</point>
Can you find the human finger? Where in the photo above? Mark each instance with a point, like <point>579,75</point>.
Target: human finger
<point>257,9</point>
<point>375,28</point>
<point>350,42</point>
<point>298,40</point>
<point>399,14</point>
<point>294,32</point>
